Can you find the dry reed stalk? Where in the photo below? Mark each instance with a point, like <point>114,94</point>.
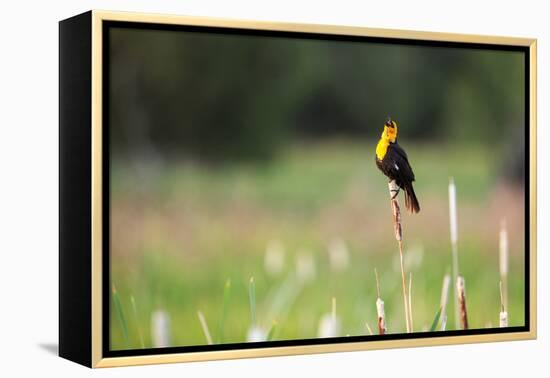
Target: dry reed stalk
<point>444,299</point>
<point>410,300</point>
<point>369,329</point>
<point>503,264</point>
<point>204,326</point>
<point>453,221</point>
<point>380,308</point>
<point>443,323</point>
<point>503,313</point>
<point>461,294</point>
<point>398,230</point>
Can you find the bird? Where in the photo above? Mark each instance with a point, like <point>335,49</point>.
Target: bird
<point>392,160</point>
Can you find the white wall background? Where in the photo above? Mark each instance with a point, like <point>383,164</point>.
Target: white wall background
<point>29,174</point>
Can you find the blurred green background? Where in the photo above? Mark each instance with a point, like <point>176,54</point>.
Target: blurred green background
<point>239,156</point>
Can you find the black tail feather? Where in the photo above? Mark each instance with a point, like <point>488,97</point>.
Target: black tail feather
<point>411,202</point>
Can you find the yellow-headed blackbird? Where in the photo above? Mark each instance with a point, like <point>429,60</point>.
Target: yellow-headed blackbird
<point>392,160</point>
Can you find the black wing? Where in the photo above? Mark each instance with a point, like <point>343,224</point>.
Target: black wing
<point>403,174</point>
<point>397,162</point>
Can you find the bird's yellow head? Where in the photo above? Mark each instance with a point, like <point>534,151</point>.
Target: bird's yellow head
<point>390,131</point>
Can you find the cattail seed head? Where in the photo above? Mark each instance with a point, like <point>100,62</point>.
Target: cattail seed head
<point>444,300</point>
<point>503,313</point>
<point>381,316</point>
<point>453,222</point>
<point>461,293</point>
<point>445,291</point>
<point>338,255</point>
<point>274,258</point>
<point>379,307</point>
<point>329,325</point>
<point>305,266</point>
<point>256,334</point>
<point>503,319</point>
<point>452,212</point>
<point>503,249</point>
<point>160,328</point>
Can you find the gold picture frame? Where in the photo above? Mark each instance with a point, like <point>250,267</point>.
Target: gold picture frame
<point>89,329</point>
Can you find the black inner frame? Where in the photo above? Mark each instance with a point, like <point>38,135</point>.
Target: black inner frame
<point>106,352</point>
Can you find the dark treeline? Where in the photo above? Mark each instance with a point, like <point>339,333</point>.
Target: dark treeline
<point>213,96</point>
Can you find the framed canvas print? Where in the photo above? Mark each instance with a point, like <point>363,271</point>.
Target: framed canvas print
<point>237,189</point>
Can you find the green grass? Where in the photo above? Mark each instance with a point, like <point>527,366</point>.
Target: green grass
<point>182,232</point>
<point>435,322</point>
<point>123,324</point>
<point>252,298</point>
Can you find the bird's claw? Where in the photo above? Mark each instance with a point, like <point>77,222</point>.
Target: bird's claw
<point>396,191</point>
